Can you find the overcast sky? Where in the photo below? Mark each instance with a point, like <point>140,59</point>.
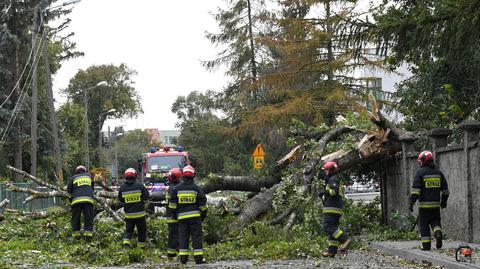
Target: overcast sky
<point>162,40</point>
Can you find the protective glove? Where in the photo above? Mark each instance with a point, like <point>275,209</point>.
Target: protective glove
<point>443,204</point>
<point>204,215</point>
<point>410,207</point>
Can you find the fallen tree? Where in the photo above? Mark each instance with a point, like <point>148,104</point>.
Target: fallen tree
<point>384,141</point>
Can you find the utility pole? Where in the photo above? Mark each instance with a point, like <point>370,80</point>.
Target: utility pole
<point>85,121</point>
<point>53,116</point>
<point>33,126</point>
<point>17,140</point>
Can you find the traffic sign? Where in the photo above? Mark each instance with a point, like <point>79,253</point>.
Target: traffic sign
<point>258,152</point>
<point>258,162</point>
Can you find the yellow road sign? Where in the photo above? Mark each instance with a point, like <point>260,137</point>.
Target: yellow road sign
<point>258,162</point>
<point>258,152</point>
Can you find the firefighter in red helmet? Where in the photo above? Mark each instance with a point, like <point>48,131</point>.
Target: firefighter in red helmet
<point>431,189</point>
<point>132,196</point>
<point>189,205</point>
<point>333,210</point>
<point>174,178</point>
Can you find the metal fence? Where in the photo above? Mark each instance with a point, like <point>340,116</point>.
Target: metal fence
<point>17,198</point>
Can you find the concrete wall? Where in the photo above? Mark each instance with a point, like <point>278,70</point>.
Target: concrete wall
<point>455,221</point>
<point>461,167</point>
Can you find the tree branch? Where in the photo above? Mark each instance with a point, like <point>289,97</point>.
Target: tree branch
<point>36,180</point>
<point>4,203</point>
<point>104,204</point>
<point>37,194</point>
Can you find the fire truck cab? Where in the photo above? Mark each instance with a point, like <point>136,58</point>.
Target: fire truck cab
<point>156,164</point>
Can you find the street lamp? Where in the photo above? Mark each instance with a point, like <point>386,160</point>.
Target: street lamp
<point>116,156</point>
<point>100,133</point>
<point>85,119</point>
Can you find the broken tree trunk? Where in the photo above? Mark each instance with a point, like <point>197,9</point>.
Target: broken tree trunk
<point>238,183</point>
<point>254,207</point>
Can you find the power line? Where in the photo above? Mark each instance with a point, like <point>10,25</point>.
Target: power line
<point>24,69</point>
<point>23,92</point>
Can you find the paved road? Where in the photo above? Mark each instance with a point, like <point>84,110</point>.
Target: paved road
<point>355,260</point>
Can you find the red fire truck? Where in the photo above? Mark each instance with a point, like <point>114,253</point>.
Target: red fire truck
<point>156,164</point>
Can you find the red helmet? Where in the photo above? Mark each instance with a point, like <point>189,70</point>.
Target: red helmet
<point>189,171</point>
<point>330,167</point>
<point>80,169</point>
<point>130,173</point>
<point>174,175</point>
<point>424,157</point>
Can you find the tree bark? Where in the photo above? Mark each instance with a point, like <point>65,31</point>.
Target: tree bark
<point>254,207</point>
<point>238,183</point>
<point>35,179</point>
<point>281,217</point>
<point>4,203</point>
<point>37,194</point>
<point>104,204</point>
<point>308,170</point>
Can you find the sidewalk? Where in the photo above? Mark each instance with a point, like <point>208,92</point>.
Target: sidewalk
<point>444,257</point>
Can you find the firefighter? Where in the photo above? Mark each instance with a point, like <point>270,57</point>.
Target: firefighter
<point>189,205</point>
<point>80,188</point>
<point>174,177</point>
<point>332,211</point>
<point>431,189</point>
<point>133,196</point>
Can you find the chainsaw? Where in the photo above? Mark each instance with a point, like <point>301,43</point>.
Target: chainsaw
<point>464,253</point>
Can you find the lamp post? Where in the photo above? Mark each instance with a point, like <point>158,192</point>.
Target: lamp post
<point>116,155</point>
<point>100,133</point>
<point>85,120</point>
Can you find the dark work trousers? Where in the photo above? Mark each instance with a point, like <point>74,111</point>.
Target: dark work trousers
<point>141,224</point>
<point>187,228</point>
<point>429,218</point>
<point>172,245</point>
<point>87,210</point>
<point>335,235</point>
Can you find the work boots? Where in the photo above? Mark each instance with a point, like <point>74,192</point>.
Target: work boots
<point>439,237</point>
<point>328,254</point>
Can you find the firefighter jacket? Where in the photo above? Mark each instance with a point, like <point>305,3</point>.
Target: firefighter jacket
<point>188,200</point>
<point>133,195</point>
<point>333,203</point>
<point>429,187</point>
<point>168,212</point>
<point>80,187</point>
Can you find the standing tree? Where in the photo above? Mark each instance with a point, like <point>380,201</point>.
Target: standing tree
<point>440,41</point>
<point>119,94</point>
<point>240,25</point>
<point>17,57</point>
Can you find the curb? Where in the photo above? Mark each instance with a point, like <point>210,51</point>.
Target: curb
<point>413,255</point>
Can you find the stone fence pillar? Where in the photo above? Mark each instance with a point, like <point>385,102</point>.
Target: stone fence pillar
<point>407,147</point>
<point>439,138</point>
